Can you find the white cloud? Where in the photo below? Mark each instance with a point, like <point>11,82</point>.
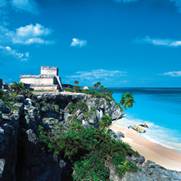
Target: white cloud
<point>161,42</point>
<point>32,30</point>
<point>97,75</point>
<point>31,34</point>
<point>26,35</point>
<point>16,54</point>
<point>173,73</point>
<point>78,43</point>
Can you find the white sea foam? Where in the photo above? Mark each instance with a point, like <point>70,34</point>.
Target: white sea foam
<point>163,136</point>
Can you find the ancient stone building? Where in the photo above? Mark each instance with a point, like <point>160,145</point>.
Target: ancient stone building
<point>48,80</point>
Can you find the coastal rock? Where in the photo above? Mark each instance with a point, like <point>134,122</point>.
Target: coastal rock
<point>152,172</point>
<point>144,125</point>
<point>116,114</point>
<point>2,164</point>
<point>116,135</point>
<point>104,107</point>
<point>139,160</point>
<point>138,128</point>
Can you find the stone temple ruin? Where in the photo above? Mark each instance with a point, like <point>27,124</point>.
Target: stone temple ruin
<point>48,80</point>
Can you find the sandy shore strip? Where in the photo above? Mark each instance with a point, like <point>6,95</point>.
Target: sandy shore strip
<point>168,158</point>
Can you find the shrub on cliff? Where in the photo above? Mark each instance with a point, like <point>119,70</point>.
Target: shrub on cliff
<point>122,166</point>
<point>105,122</point>
<point>8,98</point>
<point>20,88</point>
<point>91,168</point>
<point>80,105</point>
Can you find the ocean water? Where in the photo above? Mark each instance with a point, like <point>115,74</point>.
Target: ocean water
<point>160,108</point>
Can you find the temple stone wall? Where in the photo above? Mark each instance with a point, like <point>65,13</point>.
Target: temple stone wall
<point>48,80</point>
<point>52,88</point>
<point>38,80</point>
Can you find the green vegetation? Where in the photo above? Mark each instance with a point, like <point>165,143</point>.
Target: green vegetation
<point>15,89</point>
<point>98,91</point>
<point>101,93</point>
<point>88,149</point>
<point>97,85</point>
<point>73,107</point>
<point>127,100</point>
<point>122,166</point>
<point>20,88</point>
<point>105,122</point>
<point>76,86</point>
<point>90,169</point>
<point>8,98</point>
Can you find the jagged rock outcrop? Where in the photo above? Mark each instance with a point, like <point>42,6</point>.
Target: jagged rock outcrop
<point>152,172</point>
<point>148,171</point>
<point>9,131</point>
<point>104,107</point>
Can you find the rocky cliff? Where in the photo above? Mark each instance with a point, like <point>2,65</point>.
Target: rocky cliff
<point>22,156</point>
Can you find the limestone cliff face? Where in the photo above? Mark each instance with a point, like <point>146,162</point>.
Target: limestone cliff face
<point>22,157</point>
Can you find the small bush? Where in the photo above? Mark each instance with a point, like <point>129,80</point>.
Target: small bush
<point>92,168</point>
<point>73,107</point>
<point>105,122</point>
<point>122,166</point>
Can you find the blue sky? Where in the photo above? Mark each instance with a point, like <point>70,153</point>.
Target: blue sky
<point>118,42</point>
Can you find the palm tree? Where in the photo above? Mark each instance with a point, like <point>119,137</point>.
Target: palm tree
<point>76,86</point>
<point>127,100</point>
<point>76,82</point>
<point>97,85</point>
<point>18,87</point>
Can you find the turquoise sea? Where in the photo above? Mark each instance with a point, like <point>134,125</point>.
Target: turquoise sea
<point>160,108</point>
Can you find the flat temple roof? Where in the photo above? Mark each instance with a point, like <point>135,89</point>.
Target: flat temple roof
<point>47,67</point>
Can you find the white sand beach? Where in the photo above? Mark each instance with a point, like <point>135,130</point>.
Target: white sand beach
<point>166,157</point>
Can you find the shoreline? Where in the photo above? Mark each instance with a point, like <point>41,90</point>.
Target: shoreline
<point>161,155</point>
